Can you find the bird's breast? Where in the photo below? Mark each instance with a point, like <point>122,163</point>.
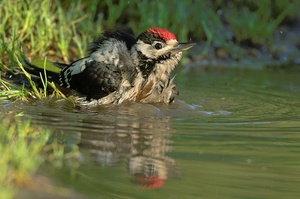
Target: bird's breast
<point>145,91</point>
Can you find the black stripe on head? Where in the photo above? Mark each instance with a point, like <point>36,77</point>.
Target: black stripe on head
<point>149,38</point>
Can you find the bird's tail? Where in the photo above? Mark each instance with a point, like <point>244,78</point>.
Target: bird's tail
<point>41,71</point>
<point>36,70</point>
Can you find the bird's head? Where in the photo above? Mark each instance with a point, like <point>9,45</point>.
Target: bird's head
<point>157,43</point>
<point>158,50</point>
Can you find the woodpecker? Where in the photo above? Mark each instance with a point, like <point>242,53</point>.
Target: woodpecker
<point>123,68</point>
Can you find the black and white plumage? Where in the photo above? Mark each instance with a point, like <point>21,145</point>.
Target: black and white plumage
<point>120,67</point>
<point>101,72</point>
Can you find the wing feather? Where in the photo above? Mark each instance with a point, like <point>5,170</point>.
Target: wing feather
<point>97,80</point>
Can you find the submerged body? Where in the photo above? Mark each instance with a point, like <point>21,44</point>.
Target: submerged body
<point>120,67</point>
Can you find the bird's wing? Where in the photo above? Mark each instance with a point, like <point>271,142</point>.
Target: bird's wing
<point>92,78</point>
<point>102,72</point>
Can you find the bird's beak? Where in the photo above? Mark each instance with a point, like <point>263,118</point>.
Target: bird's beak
<point>182,47</point>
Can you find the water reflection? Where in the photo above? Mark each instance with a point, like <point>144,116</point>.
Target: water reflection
<point>136,133</point>
<point>236,135</point>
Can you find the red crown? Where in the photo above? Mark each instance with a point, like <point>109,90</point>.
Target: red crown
<point>162,33</point>
<point>154,182</point>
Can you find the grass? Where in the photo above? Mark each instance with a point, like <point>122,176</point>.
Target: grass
<point>61,30</point>
<point>42,92</point>
<point>17,92</point>
<point>24,147</point>
<point>11,91</point>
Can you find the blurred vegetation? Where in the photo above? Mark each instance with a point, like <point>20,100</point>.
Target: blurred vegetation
<point>62,29</point>
<point>23,148</point>
<point>257,22</point>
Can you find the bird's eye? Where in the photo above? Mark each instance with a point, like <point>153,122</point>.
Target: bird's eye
<point>158,46</point>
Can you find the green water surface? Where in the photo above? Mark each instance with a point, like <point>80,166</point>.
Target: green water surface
<point>230,134</point>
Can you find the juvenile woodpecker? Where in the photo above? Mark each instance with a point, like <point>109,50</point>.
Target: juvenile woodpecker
<point>120,67</point>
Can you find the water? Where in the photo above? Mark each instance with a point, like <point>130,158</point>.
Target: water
<point>230,134</point>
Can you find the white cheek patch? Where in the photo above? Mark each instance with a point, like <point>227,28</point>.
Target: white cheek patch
<point>146,49</point>
<point>151,52</point>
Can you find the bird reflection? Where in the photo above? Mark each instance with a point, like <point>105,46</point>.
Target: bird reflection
<point>142,141</point>
<point>136,133</point>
